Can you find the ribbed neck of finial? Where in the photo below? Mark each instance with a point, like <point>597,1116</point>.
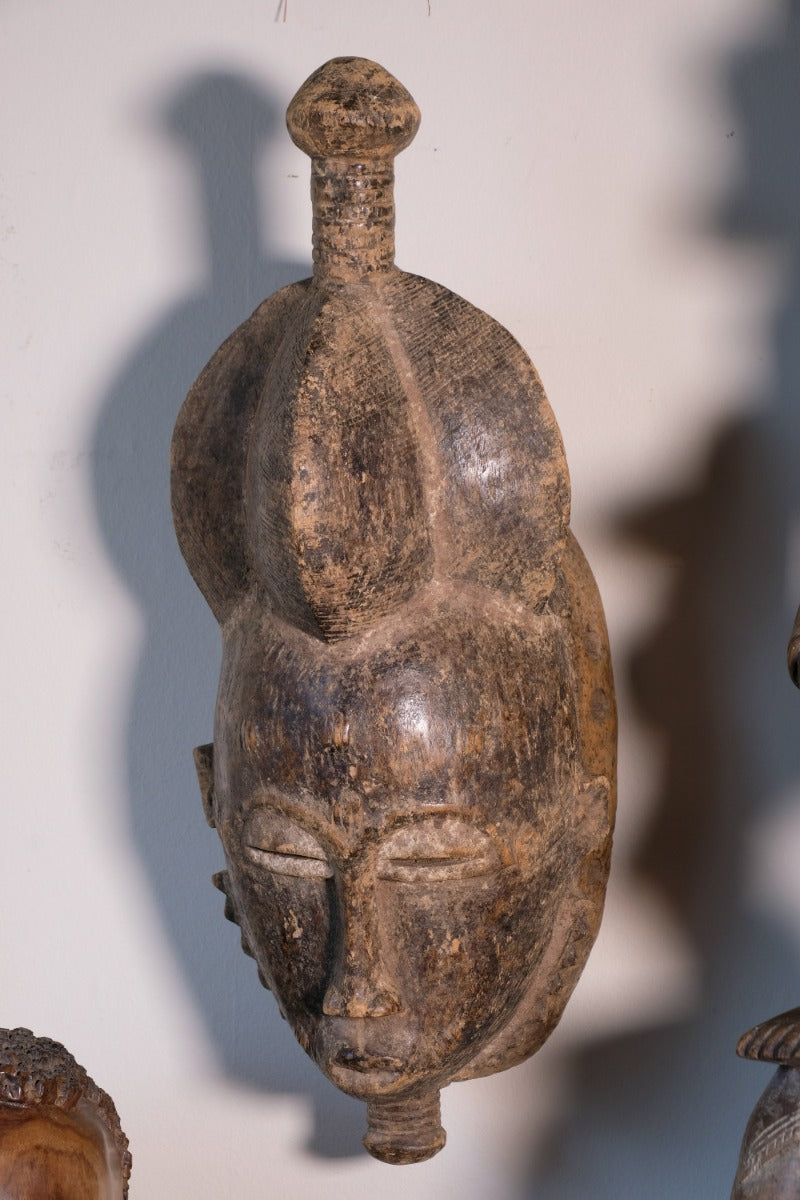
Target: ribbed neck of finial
<point>353,209</point>
<point>405,1130</point>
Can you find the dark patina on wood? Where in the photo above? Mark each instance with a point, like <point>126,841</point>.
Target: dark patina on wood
<point>413,766</point>
<point>769,1161</point>
<point>793,652</point>
<point>60,1136</point>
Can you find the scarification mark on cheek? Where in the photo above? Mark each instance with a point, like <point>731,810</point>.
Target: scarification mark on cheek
<point>292,925</point>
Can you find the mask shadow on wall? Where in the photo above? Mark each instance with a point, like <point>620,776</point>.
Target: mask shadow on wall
<point>223,123</point>
<point>662,1110</point>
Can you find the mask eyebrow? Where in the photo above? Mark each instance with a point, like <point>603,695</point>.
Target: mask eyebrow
<point>439,809</point>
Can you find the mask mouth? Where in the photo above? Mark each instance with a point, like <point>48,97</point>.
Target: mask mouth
<point>357,1060</point>
<point>362,1074</point>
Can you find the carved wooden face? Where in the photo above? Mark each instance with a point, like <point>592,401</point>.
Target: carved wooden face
<point>391,816</point>
<point>60,1136</point>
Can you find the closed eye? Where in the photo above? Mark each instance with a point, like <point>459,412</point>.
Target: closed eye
<point>301,866</point>
<point>437,849</point>
<point>434,870</point>
<point>278,844</point>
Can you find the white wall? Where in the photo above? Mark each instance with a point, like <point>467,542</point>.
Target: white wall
<point>618,183</point>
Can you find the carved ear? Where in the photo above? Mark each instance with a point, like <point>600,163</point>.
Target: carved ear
<point>204,765</point>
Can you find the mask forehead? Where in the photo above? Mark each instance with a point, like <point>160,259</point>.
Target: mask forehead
<point>482,721</point>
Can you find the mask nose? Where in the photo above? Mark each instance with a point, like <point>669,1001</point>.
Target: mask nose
<point>350,996</point>
<point>358,985</point>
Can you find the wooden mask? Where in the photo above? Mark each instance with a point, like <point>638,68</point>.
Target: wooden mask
<point>413,765</point>
<point>769,1159</point>
<point>60,1136</point>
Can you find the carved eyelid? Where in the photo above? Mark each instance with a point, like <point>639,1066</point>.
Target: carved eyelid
<point>284,847</point>
<point>437,849</point>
